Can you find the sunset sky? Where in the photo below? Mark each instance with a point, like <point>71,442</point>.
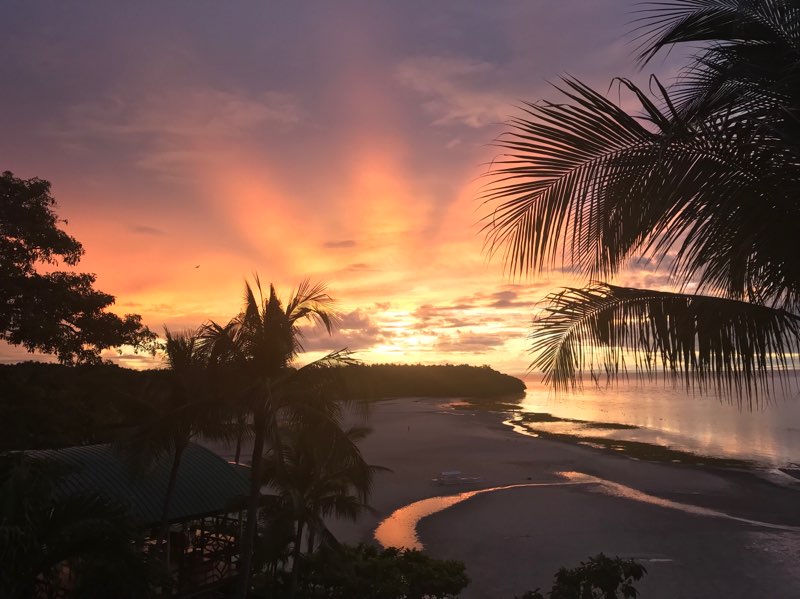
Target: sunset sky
<point>341,141</point>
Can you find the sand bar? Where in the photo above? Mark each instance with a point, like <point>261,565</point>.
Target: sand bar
<point>742,539</point>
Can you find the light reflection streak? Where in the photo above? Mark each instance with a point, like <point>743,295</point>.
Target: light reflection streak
<point>617,490</point>
<point>400,528</point>
<point>666,416</point>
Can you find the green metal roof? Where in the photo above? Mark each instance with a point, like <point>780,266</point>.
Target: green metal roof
<point>206,483</point>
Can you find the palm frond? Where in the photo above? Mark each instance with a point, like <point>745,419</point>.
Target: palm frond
<point>332,360</point>
<point>311,301</point>
<point>252,305</point>
<point>663,24</point>
<point>342,506</point>
<point>708,343</point>
<point>546,186</point>
<point>220,342</point>
<point>182,350</point>
<point>358,433</point>
<point>704,181</point>
<point>587,184</point>
<point>748,59</point>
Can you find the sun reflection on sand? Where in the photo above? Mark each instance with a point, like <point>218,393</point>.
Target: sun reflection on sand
<point>400,528</point>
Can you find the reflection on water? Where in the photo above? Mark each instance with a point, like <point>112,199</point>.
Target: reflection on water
<point>769,433</point>
<point>617,490</point>
<point>400,528</point>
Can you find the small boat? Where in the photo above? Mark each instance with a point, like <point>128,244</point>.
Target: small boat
<point>454,477</point>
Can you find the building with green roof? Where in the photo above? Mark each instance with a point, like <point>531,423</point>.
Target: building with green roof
<point>206,483</point>
<point>205,513</point>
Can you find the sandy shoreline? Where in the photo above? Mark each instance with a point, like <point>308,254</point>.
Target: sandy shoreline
<point>514,540</point>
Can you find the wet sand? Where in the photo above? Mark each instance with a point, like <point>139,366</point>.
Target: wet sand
<point>513,540</point>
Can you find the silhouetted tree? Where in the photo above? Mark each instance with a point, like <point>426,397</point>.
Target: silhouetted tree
<point>601,577</point>
<point>704,182</point>
<point>54,312</point>
<point>260,345</point>
<point>319,473</point>
<point>177,407</point>
<point>42,530</point>
<point>51,405</point>
<point>391,573</point>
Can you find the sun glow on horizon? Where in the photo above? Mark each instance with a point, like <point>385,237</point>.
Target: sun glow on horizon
<point>354,158</point>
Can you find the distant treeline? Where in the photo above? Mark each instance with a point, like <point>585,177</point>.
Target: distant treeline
<point>375,381</point>
<point>49,405</point>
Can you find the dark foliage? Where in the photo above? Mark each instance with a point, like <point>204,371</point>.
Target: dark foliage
<point>365,571</point>
<point>673,329</point>
<point>600,578</point>
<point>45,406</point>
<point>42,527</point>
<point>703,183</point>
<point>370,381</point>
<point>52,312</point>
<point>260,345</point>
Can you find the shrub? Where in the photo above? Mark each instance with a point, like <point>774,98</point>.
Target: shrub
<point>600,578</point>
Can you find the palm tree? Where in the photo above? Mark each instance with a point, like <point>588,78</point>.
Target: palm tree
<point>319,473</point>
<point>42,531</point>
<point>260,345</point>
<point>703,183</point>
<point>177,411</point>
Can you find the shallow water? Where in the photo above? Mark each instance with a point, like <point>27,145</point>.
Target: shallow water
<point>400,528</point>
<point>768,433</point>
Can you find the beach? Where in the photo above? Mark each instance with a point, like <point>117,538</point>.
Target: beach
<point>699,531</point>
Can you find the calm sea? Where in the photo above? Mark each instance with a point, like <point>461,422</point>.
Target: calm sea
<point>768,432</point>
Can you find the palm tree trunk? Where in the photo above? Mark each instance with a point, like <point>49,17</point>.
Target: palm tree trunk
<point>162,542</point>
<point>298,542</point>
<point>260,418</point>
<point>238,448</point>
<point>163,529</point>
<point>311,539</point>
<point>241,421</point>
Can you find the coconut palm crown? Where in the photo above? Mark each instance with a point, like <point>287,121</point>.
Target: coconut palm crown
<point>259,346</point>
<point>703,183</point>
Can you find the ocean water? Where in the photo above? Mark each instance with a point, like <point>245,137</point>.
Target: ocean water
<point>768,432</point>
